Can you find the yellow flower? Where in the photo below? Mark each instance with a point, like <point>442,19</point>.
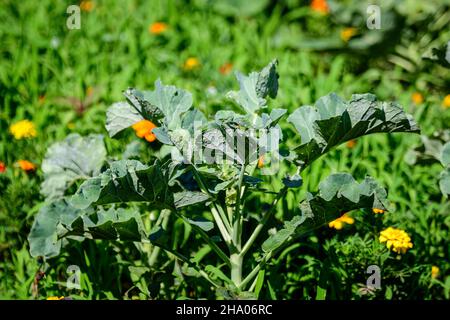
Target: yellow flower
<point>396,239</point>
<point>339,222</point>
<point>348,33</point>
<point>446,102</point>
<point>55,298</point>
<point>23,129</point>
<point>351,143</point>
<point>417,98</point>
<point>86,5</point>
<point>191,64</point>
<point>144,129</point>
<point>320,6</point>
<point>375,210</point>
<point>434,272</point>
<point>26,165</point>
<point>157,28</point>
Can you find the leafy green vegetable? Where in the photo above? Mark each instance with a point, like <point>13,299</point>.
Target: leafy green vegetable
<point>333,121</point>
<point>121,115</point>
<point>126,181</point>
<point>47,229</point>
<point>255,87</point>
<point>72,159</point>
<point>338,193</point>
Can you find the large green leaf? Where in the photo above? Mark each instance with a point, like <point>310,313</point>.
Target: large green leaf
<point>165,106</point>
<point>121,115</point>
<point>338,194</point>
<point>58,220</point>
<point>333,121</point>
<point>188,198</point>
<point>168,103</point>
<point>126,181</point>
<point>72,159</point>
<point>112,224</point>
<point>434,149</point>
<point>47,229</point>
<point>444,181</point>
<point>431,149</point>
<point>254,88</point>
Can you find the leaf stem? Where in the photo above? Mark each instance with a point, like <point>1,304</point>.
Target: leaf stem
<point>165,213</point>
<point>263,221</point>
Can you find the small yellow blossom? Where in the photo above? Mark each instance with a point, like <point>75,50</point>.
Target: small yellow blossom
<point>144,129</point>
<point>320,6</point>
<point>157,28</point>
<point>348,33</point>
<point>26,165</point>
<point>86,6</point>
<point>339,222</point>
<point>351,144</point>
<point>191,64</point>
<point>434,272</point>
<point>396,239</point>
<point>446,102</point>
<point>417,98</point>
<point>23,129</point>
<point>377,211</point>
<point>55,298</point>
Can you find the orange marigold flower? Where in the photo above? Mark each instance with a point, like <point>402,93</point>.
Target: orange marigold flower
<point>144,129</point>
<point>417,98</point>
<point>351,143</point>
<point>191,64</point>
<point>226,68</point>
<point>320,6</point>
<point>26,165</point>
<point>87,6</point>
<point>348,33</point>
<point>339,222</point>
<point>446,102</point>
<point>375,210</point>
<point>2,167</point>
<point>157,28</point>
<point>261,162</point>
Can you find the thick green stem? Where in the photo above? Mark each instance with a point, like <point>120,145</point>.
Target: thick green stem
<point>263,221</point>
<point>217,211</point>
<point>237,219</point>
<point>236,268</point>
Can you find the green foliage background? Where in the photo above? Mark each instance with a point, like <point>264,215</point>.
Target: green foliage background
<point>113,50</point>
